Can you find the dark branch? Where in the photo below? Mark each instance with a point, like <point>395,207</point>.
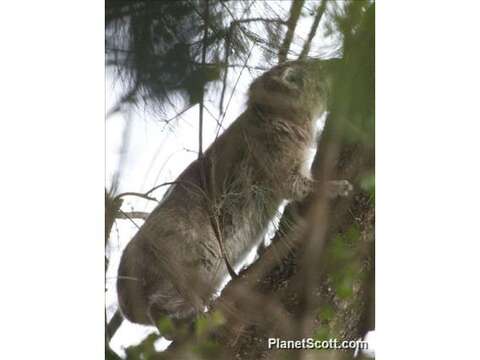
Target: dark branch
<point>204,56</point>
<point>133,214</point>
<point>114,324</point>
<point>129,97</point>
<point>313,29</point>
<point>292,24</point>
<point>264,20</point>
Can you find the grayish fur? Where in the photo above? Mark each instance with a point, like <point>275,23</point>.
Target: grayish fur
<point>174,264</point>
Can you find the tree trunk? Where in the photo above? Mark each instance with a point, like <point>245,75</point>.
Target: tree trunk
<point>320,298</point>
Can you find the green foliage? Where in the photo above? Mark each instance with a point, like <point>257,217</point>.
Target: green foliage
<point>326,312</point>
<point>353,97</point>
<point>343,284</point>
<point>321,334</point>
<point>344,246</point>
<point>207,349</point>
<point>166,326</point>
<point>143,351</point>
<point>367,184</point>
<point>342,261</point>
<point>208,323</point>
<point>156,48</point>
<point>201,344</point>
<point>110,355</point>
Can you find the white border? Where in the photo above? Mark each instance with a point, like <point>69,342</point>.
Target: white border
<point>428,180</point>
<point>52,175</point>
<point>52,166</point>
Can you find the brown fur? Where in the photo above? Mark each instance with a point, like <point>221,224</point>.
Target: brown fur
<point>174,264</point>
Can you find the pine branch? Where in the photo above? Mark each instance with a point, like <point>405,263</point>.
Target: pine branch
<point>112,207</point>
<point>295,11</point>
<point>114,324</point>
<point>204,55</point>
<point>129,97</point>
<point>313,29</point>
<point>132,214</point>
<point>225,73</point>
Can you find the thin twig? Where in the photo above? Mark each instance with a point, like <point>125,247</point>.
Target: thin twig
<point>213,116</point>
<point>225,73</point>
<point>129,218</point>
<point>180,113</point>
<point>127,98</point>
<point>204,56</point>
<point>313,29</point>
<point>130,193</point>
<point>265,20</point>
<point>233,91</point>
<point>133,214</point>
<point>159,186</point>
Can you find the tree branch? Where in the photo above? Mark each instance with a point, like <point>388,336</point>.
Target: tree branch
<point>313,30</point>
<point>130,193</point>
<point>295,11</point>
<point>112,207</point>
<point>132,214</point>
<point>225,73</point>
<point>260,19</point>
<point>127,98</point>
<point>114,324</point>
<point>179,114</point>
<point>202,95</point>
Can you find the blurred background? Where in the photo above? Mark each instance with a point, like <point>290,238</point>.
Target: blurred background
<point>178,71</point>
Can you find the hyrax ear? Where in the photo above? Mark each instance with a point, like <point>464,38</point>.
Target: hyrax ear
<point>291,78</point>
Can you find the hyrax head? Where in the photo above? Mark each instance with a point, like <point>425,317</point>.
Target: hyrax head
<point>294,87</point>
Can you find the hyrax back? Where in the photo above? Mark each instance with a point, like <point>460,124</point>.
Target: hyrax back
<point>174,264</point>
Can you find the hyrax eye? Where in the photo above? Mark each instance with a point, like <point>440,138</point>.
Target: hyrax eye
<point>295,77</point>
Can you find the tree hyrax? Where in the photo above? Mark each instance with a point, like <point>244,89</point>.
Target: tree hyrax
<point>174,264</point>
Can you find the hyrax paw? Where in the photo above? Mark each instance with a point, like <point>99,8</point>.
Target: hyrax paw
<point>302,187</point>
<point>339,188</point>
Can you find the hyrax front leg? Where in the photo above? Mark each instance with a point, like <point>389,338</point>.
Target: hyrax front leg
<point>303,186</point>
<point>338,188</point>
